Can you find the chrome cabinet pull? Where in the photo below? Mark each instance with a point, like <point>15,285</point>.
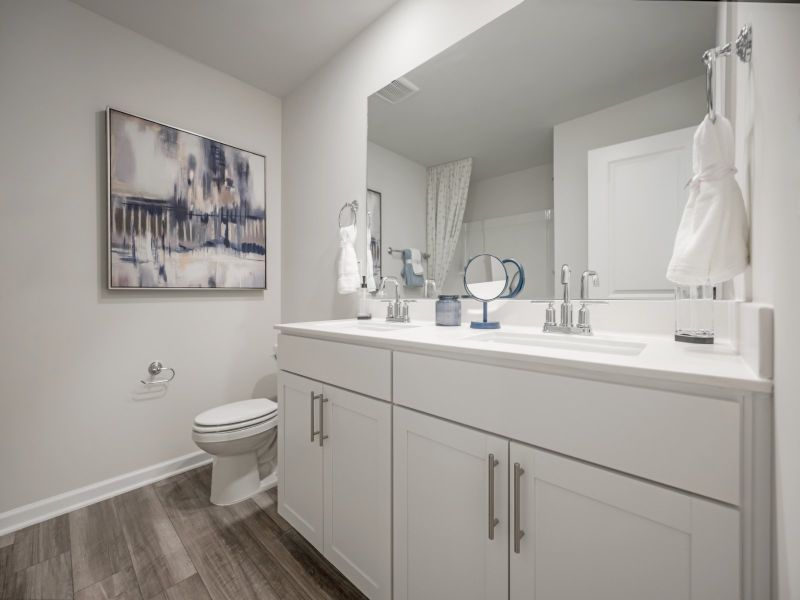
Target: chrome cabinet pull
<point>518,533</point>
<point>493,521</point>
<point>314,396</point>
<point>322,435</point>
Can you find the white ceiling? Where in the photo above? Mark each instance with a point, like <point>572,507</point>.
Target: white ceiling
<point>272,44</point>
<point>497,94</point>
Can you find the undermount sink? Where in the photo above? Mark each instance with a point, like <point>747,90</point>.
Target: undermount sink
<point>562,342</point>
<point>378,325</point>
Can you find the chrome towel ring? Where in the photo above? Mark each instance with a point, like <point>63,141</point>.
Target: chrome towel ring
<point>743,47</point>
<point>155,368</point>
<point>353,206</point>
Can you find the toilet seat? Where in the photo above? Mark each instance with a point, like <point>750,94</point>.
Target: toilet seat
<point>232,427</point>
<point>200,434</point>
<point>235,416</point>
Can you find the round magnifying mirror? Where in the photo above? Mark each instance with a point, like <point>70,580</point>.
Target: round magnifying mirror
<point>485,279</point>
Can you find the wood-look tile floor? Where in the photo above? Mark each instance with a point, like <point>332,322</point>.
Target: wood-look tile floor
<point>167,542</point>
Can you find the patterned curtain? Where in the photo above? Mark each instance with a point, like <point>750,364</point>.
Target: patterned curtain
<point>447,196</point>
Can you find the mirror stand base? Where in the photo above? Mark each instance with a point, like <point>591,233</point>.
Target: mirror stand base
<point>485,325</point>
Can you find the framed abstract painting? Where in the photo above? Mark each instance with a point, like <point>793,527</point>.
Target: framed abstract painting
<point>184,211</point>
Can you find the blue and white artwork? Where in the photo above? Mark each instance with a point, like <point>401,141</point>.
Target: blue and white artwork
<point>185,211</point>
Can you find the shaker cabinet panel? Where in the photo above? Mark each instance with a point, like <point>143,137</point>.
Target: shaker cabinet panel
<point>592,533</point>
<point>335,474</point>
<point>445,489</point>
<point>300,456</point>
<point>357,489</point>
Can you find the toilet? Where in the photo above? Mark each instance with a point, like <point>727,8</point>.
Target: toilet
<point>242,437</point>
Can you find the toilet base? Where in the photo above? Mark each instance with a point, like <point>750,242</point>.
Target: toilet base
<point>235,478</point>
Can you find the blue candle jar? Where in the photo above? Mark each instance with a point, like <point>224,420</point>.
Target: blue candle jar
<point>448,311</point>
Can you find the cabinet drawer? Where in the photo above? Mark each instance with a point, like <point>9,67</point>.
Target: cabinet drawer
<point>688,442</point>
<point>357,368</point>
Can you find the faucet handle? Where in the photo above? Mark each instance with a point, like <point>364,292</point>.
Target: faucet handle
<point>550,311</point>
<point>550,315</point>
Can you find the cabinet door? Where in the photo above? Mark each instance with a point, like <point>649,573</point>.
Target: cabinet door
<point>300,455</point>
<point>442,510</point>
<point>592,533</point>
<point>358,484</point>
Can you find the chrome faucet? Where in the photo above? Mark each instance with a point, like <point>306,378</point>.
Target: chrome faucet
<point>566,303</point>
<point>396,310</point>
<point>565,325</point>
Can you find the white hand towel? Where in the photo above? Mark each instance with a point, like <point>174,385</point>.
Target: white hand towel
<point>348,281</point>
<point>711,245</point>
<point>416,261</point>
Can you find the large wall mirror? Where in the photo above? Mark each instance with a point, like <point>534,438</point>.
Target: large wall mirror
<point>559,133</point>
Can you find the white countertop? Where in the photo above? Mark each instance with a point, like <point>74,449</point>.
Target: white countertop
<point>661,360</point>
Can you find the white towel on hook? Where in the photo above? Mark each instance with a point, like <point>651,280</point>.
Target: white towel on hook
<point>348,281</point>
<point>711,245</point>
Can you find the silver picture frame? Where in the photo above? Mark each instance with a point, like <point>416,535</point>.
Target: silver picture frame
<point>109,281</point>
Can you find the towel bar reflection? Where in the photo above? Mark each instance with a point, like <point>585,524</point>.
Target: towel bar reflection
<point>155,368</point>
<point>393,251</point>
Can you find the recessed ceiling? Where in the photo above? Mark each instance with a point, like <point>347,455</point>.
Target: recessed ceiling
<point>496,95</point>
<point>271,44</point>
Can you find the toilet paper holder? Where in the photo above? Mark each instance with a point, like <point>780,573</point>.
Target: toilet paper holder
<point>155,368</point>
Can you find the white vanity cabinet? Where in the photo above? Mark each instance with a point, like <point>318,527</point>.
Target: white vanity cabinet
<point>336,491</point>
<point>593,533</point>
<point>450,510</point>
<point>456,475</point>
<point>560,529</point>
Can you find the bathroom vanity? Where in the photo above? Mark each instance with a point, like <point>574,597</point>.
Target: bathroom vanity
<point>432,462</point>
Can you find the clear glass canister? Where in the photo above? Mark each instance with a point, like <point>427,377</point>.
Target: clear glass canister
<point>694,314</point>
<point>448,311</point>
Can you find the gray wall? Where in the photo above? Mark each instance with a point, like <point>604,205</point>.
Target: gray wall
<point>674,107</point>
<point>325,140</point>
<point>72,411</point>
<point>403,186</point>
<point>510,194</point>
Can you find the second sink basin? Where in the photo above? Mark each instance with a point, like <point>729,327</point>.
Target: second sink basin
<point>563,342</point>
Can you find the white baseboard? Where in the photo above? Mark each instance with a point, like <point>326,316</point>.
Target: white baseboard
<point>36,512</point>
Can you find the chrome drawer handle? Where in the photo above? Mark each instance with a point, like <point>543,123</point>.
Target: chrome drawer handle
<point>518,533</point>
<point>322,435</point>
<point>493,521</point>
<point>314,396</point>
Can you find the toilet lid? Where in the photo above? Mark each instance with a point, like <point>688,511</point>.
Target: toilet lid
<point>236,412</point>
